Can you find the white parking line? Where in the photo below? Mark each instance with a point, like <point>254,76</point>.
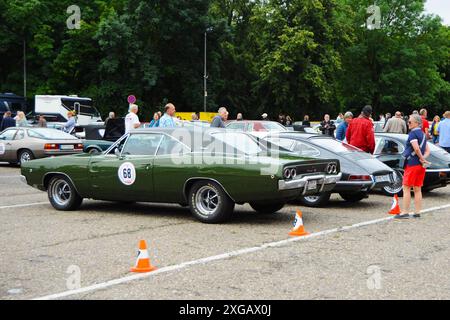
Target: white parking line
<point>24,205</point>
<point>223,256</point>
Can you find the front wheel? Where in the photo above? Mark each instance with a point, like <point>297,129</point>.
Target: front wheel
<point>316,201</point>
<point>267,208</point>
<point>209,203</point>
<point>396,188</point>
<point>353,197</point>
<point>62,194</point>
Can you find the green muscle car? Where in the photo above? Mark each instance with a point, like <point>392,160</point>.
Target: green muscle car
<point>209,170</point>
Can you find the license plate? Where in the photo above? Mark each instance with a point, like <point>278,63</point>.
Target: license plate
<point>67,147</point>
<point>312,185</point>
<point>385,178</point>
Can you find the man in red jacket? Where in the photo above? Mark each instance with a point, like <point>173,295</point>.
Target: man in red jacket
<point>360,132</point>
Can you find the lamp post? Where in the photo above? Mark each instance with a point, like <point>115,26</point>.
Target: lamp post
<point>205,74</point>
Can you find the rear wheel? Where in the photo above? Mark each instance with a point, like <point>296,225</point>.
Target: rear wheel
<point>25,156</point>
<point>62,194</point>
<point>267,208</point>
<point>316,201</point>
<point>93,151</point>
<point>209,203</point>
<point>395,188</point>
<point>354,197</point>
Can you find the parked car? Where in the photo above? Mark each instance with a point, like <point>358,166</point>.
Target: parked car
<point>361,172</point>
<point>257,128</point>
<point>20,145</point>
<point>209,171</point>
<point>101,137</point>
<point>389,149</point>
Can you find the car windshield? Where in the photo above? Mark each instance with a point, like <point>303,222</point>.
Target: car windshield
<point>50,134</point>
<point>241,142</point>
<point>334,145</point>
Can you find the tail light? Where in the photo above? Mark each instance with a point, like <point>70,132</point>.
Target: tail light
<point>360,178</point>
<point>79,146</point>
<point>51,146</point>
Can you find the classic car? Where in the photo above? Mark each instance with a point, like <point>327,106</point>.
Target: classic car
<point>19,145</point>
<point>99,137</point>
<point>389,149</point>
<point>361,172</point>
<point>209,170</point>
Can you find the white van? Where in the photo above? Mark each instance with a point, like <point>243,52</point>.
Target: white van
<point>57,107</point>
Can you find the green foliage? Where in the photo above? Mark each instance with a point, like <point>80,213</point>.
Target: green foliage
<point>294,56</point>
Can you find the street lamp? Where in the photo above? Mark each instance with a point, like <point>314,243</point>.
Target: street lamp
<point>205,75</point>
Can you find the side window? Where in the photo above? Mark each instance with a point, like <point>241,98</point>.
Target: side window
<point>8,135</point>
<point>170,146</point>
<point>388,146</point>
<point>237,126</point>
<point>142,145</point>
<point>20,135</point>
<point>306,150</point>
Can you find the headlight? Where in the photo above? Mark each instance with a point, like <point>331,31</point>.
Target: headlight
<point>332,168</point>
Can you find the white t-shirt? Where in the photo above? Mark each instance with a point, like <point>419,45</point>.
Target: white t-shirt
<point>130,120</point>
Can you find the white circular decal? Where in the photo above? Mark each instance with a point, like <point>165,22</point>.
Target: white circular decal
<point>2,149</point>
<point>127,174</point>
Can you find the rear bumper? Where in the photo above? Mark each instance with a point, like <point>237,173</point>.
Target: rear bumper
<point>324,183</point>
<point>61,153</point>
<point>357,186</point>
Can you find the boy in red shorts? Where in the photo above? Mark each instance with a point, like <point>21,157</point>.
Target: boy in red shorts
<point>416,152</point>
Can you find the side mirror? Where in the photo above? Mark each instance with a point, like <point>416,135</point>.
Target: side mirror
<point>117,152</point>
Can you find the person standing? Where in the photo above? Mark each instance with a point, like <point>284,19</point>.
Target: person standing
<point>21,119</point>
<point>132,120</point>
<point>155,121</point>
<point>444,132</point>
<point>219,120</point>
<point>434,130</point>
<point>425,123</point>
<point>360,132</point>
<point>111,116</point>
<point>327,126</point>
<point>340,119</point>
<point>416,152</point>
<point>240,117</point>
<point>342,128</point>
<point>265,117</point>
<point>167,120</point>
<point>306,122</point>
<point>71,122</point>
<point>396,124</point>
<point>194,117</point>
<point>42,123</point>
<point>7,121</point>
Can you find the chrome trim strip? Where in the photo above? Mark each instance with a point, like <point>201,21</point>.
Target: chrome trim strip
<point>438,170</point>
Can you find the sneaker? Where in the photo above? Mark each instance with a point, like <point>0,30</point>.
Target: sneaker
<point>417,216</point>
<point>403,216</point>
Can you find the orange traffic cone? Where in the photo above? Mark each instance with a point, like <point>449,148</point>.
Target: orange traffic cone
<point>395,210</point>
<point>299,229</point>
<point>143,264</point>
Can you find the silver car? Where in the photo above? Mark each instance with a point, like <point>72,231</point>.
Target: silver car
<point>18,145</point>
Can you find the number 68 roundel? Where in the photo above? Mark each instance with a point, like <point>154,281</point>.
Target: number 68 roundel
<point>127,174</point>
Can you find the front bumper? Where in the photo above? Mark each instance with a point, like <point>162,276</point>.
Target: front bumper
<point>324,183</point>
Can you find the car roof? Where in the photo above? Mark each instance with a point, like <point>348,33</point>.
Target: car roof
<point>298,135</point>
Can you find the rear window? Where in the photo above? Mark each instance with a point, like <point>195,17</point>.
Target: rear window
<point>50,134</point>
<point>334,145</point>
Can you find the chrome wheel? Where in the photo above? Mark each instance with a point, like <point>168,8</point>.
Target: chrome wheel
<point>207,200</point>
<point>312,199</point>
<point>61,192</point>
<point>25,156</point>
<point>397,186</point>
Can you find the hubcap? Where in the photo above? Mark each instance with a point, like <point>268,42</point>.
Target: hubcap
<point>207,200</point>
<point>61,192</point>
<point>25,157</point>
<point>312,198</point>
<point>397,186</point>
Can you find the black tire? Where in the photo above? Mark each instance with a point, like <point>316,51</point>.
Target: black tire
<point>267,208</point>
<point>63,195</point>
<point>397,187</point>
<point>24,155</point>
<point>354,197</point>
<point>93,151</point>
<point>316,201</point>
<point>209,203</point>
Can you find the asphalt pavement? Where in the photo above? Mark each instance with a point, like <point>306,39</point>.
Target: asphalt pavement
<point>45,252</point>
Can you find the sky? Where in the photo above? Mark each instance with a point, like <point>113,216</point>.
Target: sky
<point>441,8</point>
